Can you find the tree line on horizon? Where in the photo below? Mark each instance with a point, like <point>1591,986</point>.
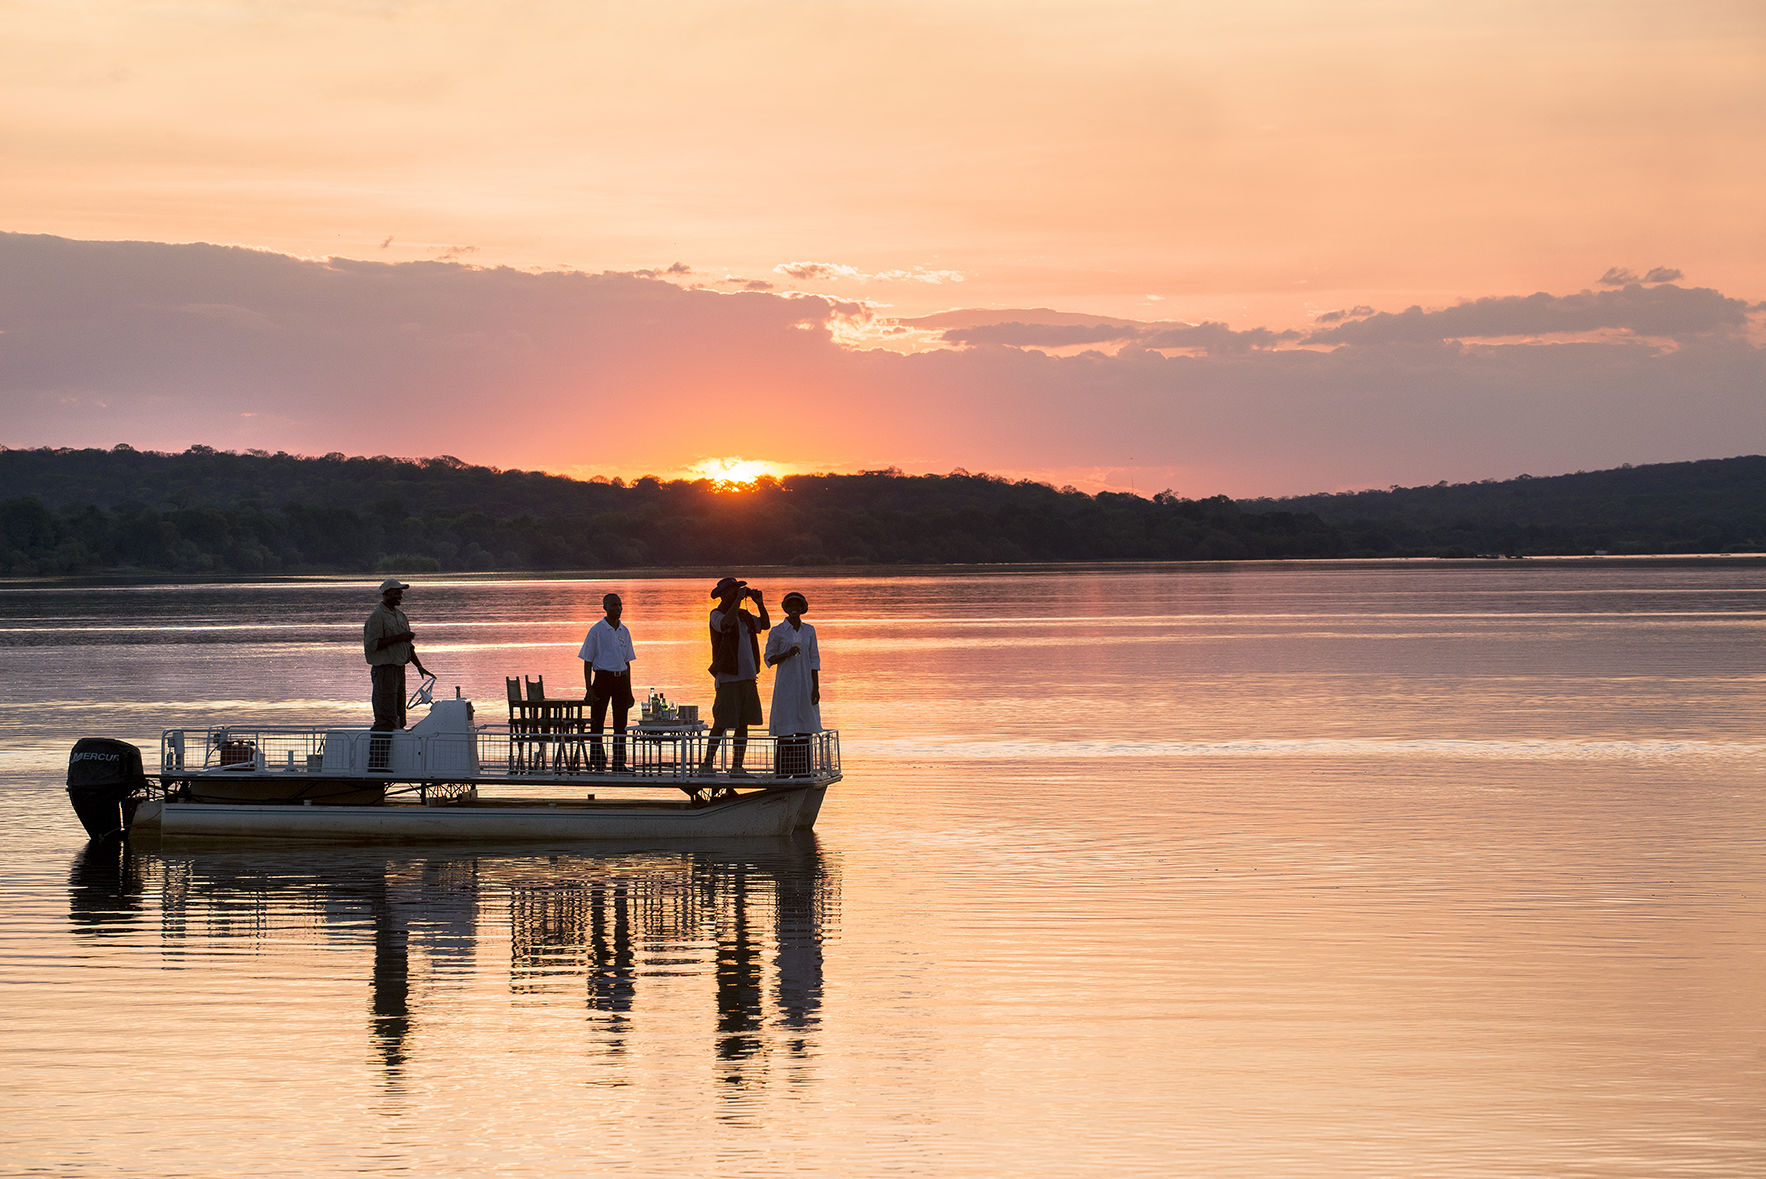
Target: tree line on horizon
<point>1704,506</point>
<point>210,512</point>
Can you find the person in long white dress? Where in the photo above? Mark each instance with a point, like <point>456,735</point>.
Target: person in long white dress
<point>796,661</point>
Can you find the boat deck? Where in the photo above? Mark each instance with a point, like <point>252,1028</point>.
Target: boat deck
<point>483,765</point>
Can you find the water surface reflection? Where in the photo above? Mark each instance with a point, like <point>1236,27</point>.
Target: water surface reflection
<point>745,922</point>
<point>1300,869</point>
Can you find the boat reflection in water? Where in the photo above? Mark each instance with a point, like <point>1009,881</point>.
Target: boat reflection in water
<point>641,917</point>
<point>614,923</point>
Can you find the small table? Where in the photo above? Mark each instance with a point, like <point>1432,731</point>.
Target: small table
<point>662,746</point>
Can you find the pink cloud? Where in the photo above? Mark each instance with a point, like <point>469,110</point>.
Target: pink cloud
<point>628,374</point>
<point>1659,311</point>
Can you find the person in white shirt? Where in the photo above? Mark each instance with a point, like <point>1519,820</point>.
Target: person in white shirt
<point>796,661</point>
<point>607,679</point>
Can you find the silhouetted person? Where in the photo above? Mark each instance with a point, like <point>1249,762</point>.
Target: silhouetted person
<point>607,679</point>
<point>388,642</point>
<point>796,661</point>
<point>735,665</point>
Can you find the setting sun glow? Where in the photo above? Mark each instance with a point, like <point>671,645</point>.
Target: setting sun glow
<point>734,473</point>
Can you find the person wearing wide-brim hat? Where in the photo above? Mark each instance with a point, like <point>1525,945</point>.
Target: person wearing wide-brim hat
<point>735,665</point>
<point>389,644</point>
<point>796,661</point>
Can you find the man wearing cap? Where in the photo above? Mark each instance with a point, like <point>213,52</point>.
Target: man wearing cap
<point>735,665</point>
<point>387,642</point>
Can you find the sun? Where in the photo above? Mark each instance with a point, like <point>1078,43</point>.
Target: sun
<point>733,473</point>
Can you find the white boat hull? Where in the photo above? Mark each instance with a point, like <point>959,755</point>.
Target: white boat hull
<point>763,813</point>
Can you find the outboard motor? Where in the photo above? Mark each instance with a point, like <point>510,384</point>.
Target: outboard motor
<point>105,783</point>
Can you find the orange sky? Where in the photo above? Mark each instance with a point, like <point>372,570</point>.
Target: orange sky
<point>1255,164</point>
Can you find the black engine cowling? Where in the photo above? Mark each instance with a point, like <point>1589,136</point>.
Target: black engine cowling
<point>104,782</point>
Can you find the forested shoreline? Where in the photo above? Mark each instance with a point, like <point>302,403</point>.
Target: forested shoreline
<point>204,511</point>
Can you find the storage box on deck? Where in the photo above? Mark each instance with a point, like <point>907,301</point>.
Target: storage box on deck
<point>238,754</point>
<point>794,756</point>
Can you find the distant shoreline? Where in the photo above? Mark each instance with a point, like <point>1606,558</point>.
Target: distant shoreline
<point>124,579</point>
<point>208,514</point>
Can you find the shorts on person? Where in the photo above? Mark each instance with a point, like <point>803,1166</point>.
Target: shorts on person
<point>737,703</point>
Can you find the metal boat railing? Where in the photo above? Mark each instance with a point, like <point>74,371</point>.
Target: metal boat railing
<point>243,747</point>
<point>494,752</point>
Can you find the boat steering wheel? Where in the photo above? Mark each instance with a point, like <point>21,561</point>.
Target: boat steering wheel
<point>425,693</point>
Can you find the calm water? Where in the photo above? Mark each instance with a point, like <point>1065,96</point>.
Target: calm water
<point>1299,870</point>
